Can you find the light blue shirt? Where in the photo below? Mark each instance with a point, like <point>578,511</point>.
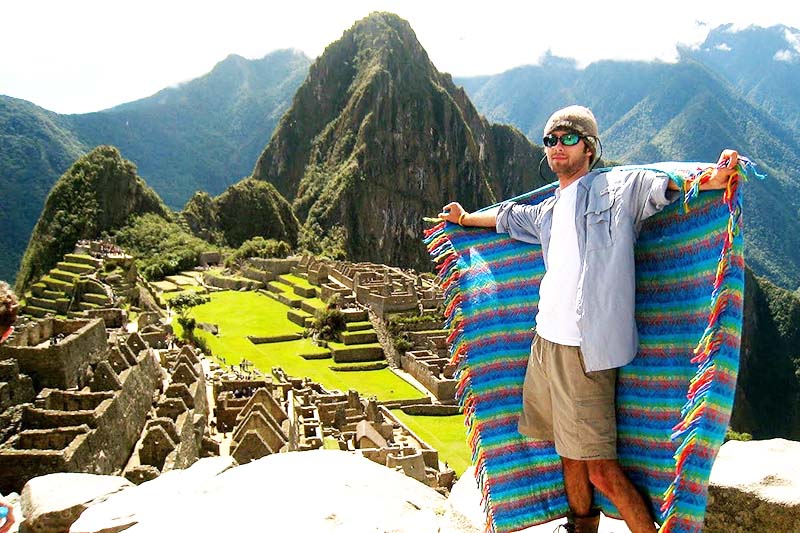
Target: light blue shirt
<point>609,212</point>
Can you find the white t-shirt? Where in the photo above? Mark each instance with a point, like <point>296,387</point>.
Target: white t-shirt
<point>557,319</point>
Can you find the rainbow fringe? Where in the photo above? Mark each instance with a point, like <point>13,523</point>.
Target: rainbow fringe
<point>674,399</point>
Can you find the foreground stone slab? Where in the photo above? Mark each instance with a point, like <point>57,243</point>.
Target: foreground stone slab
<point>124,509</point>
<point>53,502</point>
<point>755,486</point>
<point>321,490</point>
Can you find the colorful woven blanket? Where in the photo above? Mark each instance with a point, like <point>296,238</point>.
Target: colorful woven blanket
<point>673,401</point>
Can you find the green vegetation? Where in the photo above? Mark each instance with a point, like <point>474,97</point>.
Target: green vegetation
<point>258,247</point>
<point>735,435</point>
<point>161,247</point>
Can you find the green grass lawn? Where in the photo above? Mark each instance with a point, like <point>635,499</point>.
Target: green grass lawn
<point>239,314</point>
<point>298,281</point>
<point>448,434</point>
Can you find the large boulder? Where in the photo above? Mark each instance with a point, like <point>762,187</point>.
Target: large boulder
<point>53,502</point>
<point>755,486</point>
<point>321,490</point>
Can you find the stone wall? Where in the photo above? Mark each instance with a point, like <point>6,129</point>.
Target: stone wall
<point>57,353</point>
<point>231,284</point>
<point>429,369</point>
<point>82,431</point>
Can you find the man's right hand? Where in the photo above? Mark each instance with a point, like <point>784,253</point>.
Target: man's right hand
<point>452,212</point>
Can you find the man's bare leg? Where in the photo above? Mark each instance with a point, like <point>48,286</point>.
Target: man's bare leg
<point>607,476</point>
<point>577,486</point>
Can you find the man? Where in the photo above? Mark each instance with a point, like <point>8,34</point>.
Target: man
<point>8,315</point>
<point>585,326</point>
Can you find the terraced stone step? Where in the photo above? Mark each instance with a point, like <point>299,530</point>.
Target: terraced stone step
<point>40,289</point>
<point>358,326</point>
<point>58,285</point>
<point>286,299</point>
<point>290,300</point>
<point>77,268</point>
<point>38,312</point>
<point>83,259</point>
<point>277,287</point>
<point>316,356</point>
<point>312,306</point>
<point>87,306</point>
<point>306,292</point>
<point>63,275</point>
<point>359,337</point>
<point>52,295</point>
<point>58,306</point>
<point>360,353</point>
<point>299,317</point>
<point>355,315</point>
<point>99,299</point>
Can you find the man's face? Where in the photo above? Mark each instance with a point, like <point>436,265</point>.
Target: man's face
<point>568,160</point>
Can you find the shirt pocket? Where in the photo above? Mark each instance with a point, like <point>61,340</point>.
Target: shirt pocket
<point>599,221</point>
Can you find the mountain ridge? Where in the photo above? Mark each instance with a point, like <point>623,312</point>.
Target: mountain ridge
<point>33,158</point>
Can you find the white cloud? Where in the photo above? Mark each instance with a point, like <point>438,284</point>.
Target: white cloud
<point>723,47</point>
<point>785,55</point>
<point>85,55</point>
<point>792,39</point>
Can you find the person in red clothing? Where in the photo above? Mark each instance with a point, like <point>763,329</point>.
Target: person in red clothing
<point>9,307</point>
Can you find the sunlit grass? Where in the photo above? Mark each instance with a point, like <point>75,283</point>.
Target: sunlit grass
<point>239,314</point>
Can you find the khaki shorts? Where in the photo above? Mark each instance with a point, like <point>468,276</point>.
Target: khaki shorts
<point>565,404</point>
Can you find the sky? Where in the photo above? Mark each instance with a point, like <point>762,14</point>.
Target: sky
<point>79,56</point>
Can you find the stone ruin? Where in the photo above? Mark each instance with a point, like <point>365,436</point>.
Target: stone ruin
<point>281,413</point>
<point>78,397</point>
<point>91,278</point>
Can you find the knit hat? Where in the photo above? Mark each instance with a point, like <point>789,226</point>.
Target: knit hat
<point>578,119</point>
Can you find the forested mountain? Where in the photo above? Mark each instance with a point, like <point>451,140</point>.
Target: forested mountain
<point>205,134</point>
<point>36,146</point>
<point>99,193</point>
<point>377,138</point>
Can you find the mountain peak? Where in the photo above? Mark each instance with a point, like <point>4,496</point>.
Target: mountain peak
<point>377,138</point>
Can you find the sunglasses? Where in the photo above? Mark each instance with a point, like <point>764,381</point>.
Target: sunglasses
<point>568,139</point>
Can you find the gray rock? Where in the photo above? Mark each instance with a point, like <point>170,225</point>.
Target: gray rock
<point>321,490</point>
<point>53,502</point>
<point>122,510</point>
<point>755,486</point>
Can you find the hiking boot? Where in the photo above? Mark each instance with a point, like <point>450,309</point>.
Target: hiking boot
<point>581,524</point>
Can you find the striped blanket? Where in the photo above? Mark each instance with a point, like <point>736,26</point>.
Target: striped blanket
<point>673,401</point>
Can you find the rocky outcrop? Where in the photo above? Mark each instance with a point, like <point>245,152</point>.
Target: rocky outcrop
<point>377,138</point>
<point>247,209</point>
<point>48,507</point>
<point>755,486</point>
<point>98,193</point>
<point>322,490</point>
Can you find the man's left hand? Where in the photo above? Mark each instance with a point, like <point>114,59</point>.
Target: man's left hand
<point>726,167</point>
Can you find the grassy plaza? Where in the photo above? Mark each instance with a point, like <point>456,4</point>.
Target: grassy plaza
<point>239,314</point>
